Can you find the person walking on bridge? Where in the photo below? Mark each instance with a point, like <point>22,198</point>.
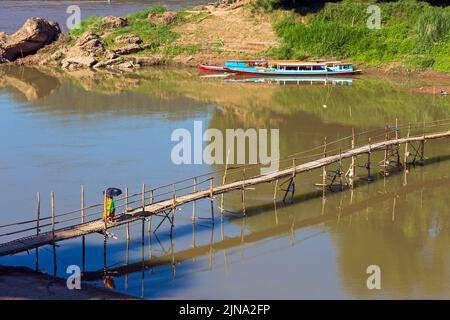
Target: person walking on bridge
<point>109,205</point>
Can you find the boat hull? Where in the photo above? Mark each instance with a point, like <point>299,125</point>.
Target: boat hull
<point>293,73</point>
<point>212,68</point>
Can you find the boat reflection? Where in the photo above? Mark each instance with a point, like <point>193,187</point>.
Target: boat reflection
<point>280,80</point>
<point>299,81</point>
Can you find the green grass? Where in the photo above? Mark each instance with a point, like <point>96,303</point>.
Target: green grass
<point>152,34</point>
<point>412,32</point>
<point>87,24</point>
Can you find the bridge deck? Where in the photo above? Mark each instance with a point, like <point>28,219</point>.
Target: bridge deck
<point>27,243</point>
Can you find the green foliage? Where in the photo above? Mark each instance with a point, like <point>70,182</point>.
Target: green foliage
<point>433,25</point>
<point>87,24</point>
<point>153,35</point>
<point>412,32</point>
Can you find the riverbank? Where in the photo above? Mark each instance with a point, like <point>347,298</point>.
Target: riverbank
<point>246,29</point>
<point>201,35</point>
<point>21,283</point>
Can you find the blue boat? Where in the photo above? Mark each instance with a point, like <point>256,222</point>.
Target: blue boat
<point>289,68</point>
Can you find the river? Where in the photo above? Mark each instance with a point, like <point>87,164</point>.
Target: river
<point>14,13</point>
<point>98,129</point>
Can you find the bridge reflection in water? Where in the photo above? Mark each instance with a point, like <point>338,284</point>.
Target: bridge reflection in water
<point>284,225</point>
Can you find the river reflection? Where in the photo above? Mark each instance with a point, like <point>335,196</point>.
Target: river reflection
<point>61,130</point>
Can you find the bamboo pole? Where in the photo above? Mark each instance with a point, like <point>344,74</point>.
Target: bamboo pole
<point>127,257</point>
<point>173,203</point>
<point>353,157</point>
<point>53,232</point>
<point>193,202</point>
<point>38,211</point>
<point>386,150</point>
<point>243,192</point>
<point>353,162</point>
<point>52,199</point>
<point>324,168</point>
<point>275,190</point>
<point>149,222</point>
<point>340,169</point>
<point>83,238</point>
<point>369,177</point>
<point>211,197</point>
<point>397,145</point>
<point>405,155</point>
<point>105,212</point>
<point>82,205</point>
<point>126,210</point>
<point>143,197</point>
<point>223,182</point>
<point>422,145</point>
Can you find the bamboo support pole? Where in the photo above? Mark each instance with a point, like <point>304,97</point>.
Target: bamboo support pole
<point>127,258</point>
<point>193,202</point>
<point>38,212</point>
<point>324,168</point>
<point>353,163</point>
<point>243,192</point>
<point>211,197</point>
<point>397,146</point>
<point>386,152</point>
<point>52,196</point>
<point>105,213</point>
<point>126,210</point>
<point>149,222</point>
<point>143,197</point>
<point>369,177</point>
<point>174,203</point>
<point>275,190</point>
<point>422,146</point>
<point>105,240</point>
<point>223,182</point>
<point>405,155</point>
<point>52,199</point>
<point>340,169</point>
<point>83,238</point>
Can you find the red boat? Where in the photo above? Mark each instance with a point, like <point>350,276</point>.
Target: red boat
<point>212,68</point>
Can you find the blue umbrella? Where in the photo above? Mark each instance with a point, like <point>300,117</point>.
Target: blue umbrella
<point>113,192</point>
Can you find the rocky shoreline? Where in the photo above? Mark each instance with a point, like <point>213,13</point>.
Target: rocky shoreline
<point>112,43</point>
<point>208,34</point>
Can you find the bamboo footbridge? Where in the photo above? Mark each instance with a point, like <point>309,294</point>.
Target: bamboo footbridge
<point>164,201</point>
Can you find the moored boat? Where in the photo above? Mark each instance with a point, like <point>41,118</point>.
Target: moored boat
<point>211,68</point>
<point>285,68</point>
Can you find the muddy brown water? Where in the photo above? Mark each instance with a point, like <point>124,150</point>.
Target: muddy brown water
<point>60,130</point>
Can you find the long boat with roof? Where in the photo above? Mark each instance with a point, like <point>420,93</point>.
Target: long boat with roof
<point>286,68</point>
